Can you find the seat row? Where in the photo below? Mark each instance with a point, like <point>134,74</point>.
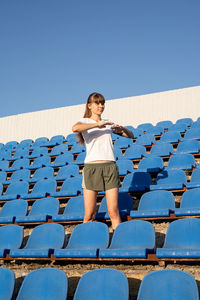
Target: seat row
<point>131,241</point>
<point>108,283</point>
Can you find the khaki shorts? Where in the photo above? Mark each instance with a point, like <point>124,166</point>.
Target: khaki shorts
<point>100,176</point>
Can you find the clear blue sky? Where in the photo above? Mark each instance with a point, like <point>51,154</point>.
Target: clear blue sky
<point>53,53</point>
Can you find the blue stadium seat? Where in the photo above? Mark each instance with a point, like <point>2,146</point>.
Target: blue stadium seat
<point>118,153</point>
<point>4,165</point>
<point>156,130</point>
<point>188,146</point>
<point>182,240</point>
<point>60,149</point>
<point>20,153</point>
<point>71,139</point>
<point>70,187</point>
<point>137,132</point>
<point>152,164</point>
<point>27,143</point>
<point>165,124</point>
<point>154,204</point>
<point>41,189</point>
<point>7,279</point>
<point>195,125</point>
<point>40,162</point>
<point>85,240</point>
<point>179,127</point>
<point>171,137</point>
<point>168,284</point>
<point>41,141</point>
<point>136,182</point>
<point>40,211</point>
<point>162,149</point>
<point>1,145</point>
<point>77,148</point>
<point>55,140</point>
<point>1,188</point>
<point>41,241</point>
<point>187,121</point>
<point>131,239</point>
<point>71,170</point>
<point>42,173</point>
<point>125,204</point>
<point>192,134</point>
<point>74,210</point>
<point>11,145</point>
<point>145,126</point>
<point>15,190</point>
<point>37,152</point>
<point>63,160</point>
<point>135,152</point>
<point>107,284</point>
<point>195,180</point>
<point>12,209</point>
<point>125,166</point>
<point>5,154</point>
<point>3,176</point>
<point>170,180</point>
<point>19,164</point>
<point>123,143</point>
<point>145,140</point>
<point>181,162</point>
<point>22,174</point>
<point>44,283</point>
<point>190,203</point>
<point>80,158</point>
<point>11,237</point>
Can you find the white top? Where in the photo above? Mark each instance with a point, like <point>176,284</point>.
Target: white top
<point>98,142</point>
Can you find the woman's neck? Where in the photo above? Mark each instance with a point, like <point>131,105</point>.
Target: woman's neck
<point>96,118</point>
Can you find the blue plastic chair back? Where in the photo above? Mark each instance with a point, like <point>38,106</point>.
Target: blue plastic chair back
<point>80,158</point>
<point>135,152</point>
<point>22,163</point>
<point>3,176</point>
<point>170,137</point>
<point>156,130</point>
<point>145,140</point>
<point>137,132</point>
<point>60,149</point>
<point>106,284</point>
<point>11,236</point>
<point>5,154</point>
<point>17,188</point>
<point>42,161</point>
<point>7,279</point>
<point>162,149</point>
<point>191,199</point>
<point>71,170</point>
<point>181,161</point>
<point>137,181</point>
<point>165,124</point>
<point>26,143</point>
<point>45,206</point>
<point>171,176</point>
<point>23,174</point>
<point>123,142</point>
<point>195,177</point>
<point>41,141</point>
<point>45,283</point>
<point>20,153</point>
<point>10,145</point>
<point>179,127</point>
<point>125,166</point>
<point>75,205</point>
<point>145,126</point>
<point>46,236</point>
<point>43,173</point>
<point>190,146</point>
<point>72,184</point>
<point>151,164</point>
<point>56,140</point>
<point>71,138</point>
<point>157,200</point>
<point>14,208</point>
<point>38,151</point>
<point>45,186</point>
<point>77,148</point>
<point>4,164</point>
<point>191,134</point>
<point>63,159</point>
<point>168,284</point>
<point>118,153</point>
<point>187,121</point>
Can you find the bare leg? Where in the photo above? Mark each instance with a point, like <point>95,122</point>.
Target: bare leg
<point>90,199</point>
<point>112,205</point>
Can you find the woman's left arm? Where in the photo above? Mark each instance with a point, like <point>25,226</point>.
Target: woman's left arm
<point>123,131</point>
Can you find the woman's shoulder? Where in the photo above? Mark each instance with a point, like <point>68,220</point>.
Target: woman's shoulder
<point>86,120</point>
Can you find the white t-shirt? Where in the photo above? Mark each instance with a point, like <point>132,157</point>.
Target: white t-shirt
<point>98,142</point>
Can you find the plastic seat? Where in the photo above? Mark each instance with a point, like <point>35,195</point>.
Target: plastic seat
<point>179,127</point>
<point>136,182</point>
<point>190,146</point>
<point>11,145</point>
<point>71,170</point>
<point>41,241</point>
<point>74,211</point>
<point>195,125</point>
<point>156,130</point>
<point>40,211</point>
<point>123,143</point>
<point>85,240</point>
<point>19,164</point>
<point>162,149</point>
<point>192,134</point>
<point>125,166</point>
<point>58,150</point>
<point>71,139</point>
<point>41,189</point>
<point>62,160</point>
<point>131,239</point>
<point>135,152</point>
<point>108,284</point>
<point>190,203</point>
<point>151,164</point>
<point>20,153</point>
<point>125,204</point>
<point>77,148</point>
<point>195,180</point>
<point>1,145</point>
<point>165,124</point>
<point>170,180</point>
<point>145,140</point>
<point>7,279</point>
<point>187,121</point>
<point>70,187</point>
<point>11,237</point>
<point>15,190</point>
<point>118,154</point>
<point>181,161</point>
<point>40,162</point>
<point>1,188</point>
<point>80,158</point>
<point>3,176</point>
<point>27,143</point>
<point>182,240</point>
<point>5,154</point>
<point>41,141</point>
<point>41,284</point>
<point>137,132</point>
<point>154,204</point>
<point>168,284</point>
<point>55,140</point>
<point>145,126</point>
<point>37,152</point>
<point>171,137</point>
<point>12,209</point>
<point>4,165</point>
<point>42,173</point>
<point>22,174</point>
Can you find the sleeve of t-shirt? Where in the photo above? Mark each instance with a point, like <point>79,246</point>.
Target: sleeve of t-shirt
<point>84,120</point>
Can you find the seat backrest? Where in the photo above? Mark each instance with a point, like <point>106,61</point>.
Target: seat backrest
<point>45,206</point>
<point>157,200</point>
<point>39,151</point>
<point>11,236</point>
<point>187,121</point>
<point>89,236</point>
<point>14,208</point>
<point>21,163</point>
<point>125,166</point>
<point>193,133</point>
<point>45,186</point>
<point>168,284</point>
<point>46,236</point>
<point>146,139</point>
<point>1,188</point>
<point>170,137</point>
<point>17,188</point>
<point>41,141</point>
<point>137,179</point>
<point>7,279</point>
<point>59,149</point>
<point>191,198</point>
<point>171,176</point>
<point>188,146</point>
<point>179,127</point>
<point>57,139</point>
<point>75,205</point>
<point>106,284</point>
<point>65,172</point>
<point>161,149</point>
<point>44,283</point>
<point>41,161</point>
<point>195,177</point>
<point>23,174</point>
<point>181,161</point>
<point>165,124</point>
<point>151,164</point>
<point>26,143</point>
<point>3,176</point>
<point>21,153</point>
<point>145,126</point>
<point>73,183</point>
<point>123,142</point>
<point>64,159</point>
<point>135,151</point>
<point>43,173</point>
<point>135,234</point>
<point>4,164</point>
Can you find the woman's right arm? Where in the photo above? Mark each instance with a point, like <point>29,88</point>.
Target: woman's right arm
<point>79,127</point>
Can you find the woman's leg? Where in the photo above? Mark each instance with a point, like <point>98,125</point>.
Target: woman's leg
<point>112,205</point>
<point>90,199</point>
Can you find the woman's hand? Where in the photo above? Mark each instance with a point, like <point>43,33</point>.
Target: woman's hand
<point>102,124</point>
<point>117,129</point>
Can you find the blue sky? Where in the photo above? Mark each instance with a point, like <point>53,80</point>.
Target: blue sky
<point>53,53</point>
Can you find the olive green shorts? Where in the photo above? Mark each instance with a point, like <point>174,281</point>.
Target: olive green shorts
<point>100,176</point>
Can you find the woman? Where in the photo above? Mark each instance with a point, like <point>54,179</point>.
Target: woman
<point>100,171</point>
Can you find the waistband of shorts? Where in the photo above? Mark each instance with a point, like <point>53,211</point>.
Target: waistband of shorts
<point>100,165</point>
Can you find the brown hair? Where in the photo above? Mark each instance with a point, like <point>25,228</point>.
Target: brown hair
<point>94,97</point>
